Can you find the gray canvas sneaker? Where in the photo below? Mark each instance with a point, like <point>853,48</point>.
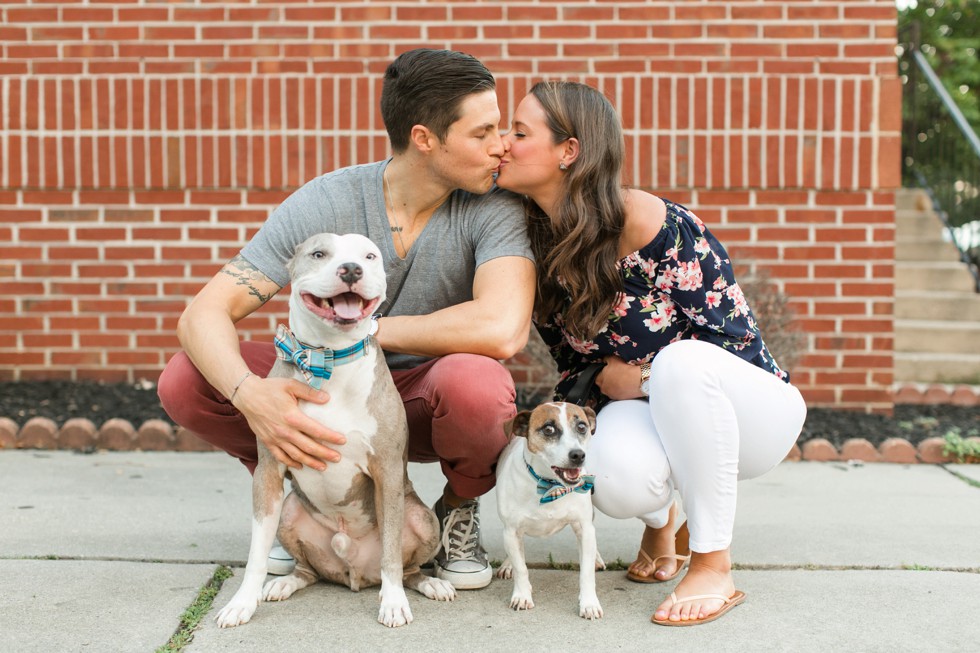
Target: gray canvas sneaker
<point>461,559</point>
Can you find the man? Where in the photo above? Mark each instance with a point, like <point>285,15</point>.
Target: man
<point>460,293</point>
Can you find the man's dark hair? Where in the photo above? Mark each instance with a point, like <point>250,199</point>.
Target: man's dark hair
<point>426,87</point>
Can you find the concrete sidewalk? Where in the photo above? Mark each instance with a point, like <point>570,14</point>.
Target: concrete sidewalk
<point>103,552</point>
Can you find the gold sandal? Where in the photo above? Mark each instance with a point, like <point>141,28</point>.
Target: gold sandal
<point>680,538</point>
<point>729,603</point>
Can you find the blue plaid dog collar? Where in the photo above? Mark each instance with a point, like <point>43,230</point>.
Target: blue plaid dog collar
<point>316,363</point>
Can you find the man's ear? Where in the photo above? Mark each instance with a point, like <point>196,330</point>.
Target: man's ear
<point>422,138</point>
<point>518,425</point>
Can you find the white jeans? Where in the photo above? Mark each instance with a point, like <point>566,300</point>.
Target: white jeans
<point>712,419</point>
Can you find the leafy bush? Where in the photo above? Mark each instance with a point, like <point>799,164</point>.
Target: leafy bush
<point>966,450</point>
<point>775,317</point>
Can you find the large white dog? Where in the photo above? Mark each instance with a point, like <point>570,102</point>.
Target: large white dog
<point>359,523</point>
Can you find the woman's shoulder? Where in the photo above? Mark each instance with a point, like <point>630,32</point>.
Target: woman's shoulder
<point>645,217</point>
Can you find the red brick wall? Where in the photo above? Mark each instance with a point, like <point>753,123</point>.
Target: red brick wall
<point>142,144</point>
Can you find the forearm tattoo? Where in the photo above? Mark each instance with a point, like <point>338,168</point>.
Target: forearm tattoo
<point>246,274</point>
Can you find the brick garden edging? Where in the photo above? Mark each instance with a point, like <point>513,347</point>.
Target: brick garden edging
<point>159,435</point>
<point>937,393</point>
<point>892,450</point>
<point>114,435</point>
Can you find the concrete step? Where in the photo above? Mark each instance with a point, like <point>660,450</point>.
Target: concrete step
<point>938,337</point>
<point>918,226</point>
<point>922,250</point>
<point>937,308</point>
<point>937,368</point>
<point>937,305</point>
<point>933,275</point>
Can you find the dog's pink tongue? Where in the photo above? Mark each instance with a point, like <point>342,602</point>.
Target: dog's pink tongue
<point>347,306</point>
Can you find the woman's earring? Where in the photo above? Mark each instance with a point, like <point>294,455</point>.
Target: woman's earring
<point>562,166</point>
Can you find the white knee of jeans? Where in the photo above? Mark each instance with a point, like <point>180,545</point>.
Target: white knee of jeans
<point>632,476</point>
<point>658,518</point>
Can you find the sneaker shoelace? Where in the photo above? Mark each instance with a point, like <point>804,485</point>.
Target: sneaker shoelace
<point>461,534</point>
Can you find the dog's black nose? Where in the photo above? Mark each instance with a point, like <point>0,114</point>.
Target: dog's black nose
<point>349,272</point>
<point>577,456</point>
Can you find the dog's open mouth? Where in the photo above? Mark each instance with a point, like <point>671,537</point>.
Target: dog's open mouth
<point>569,475</point>
<point>345,308</point>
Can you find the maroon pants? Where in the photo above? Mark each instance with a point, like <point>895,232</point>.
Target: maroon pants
<point>456,407</point>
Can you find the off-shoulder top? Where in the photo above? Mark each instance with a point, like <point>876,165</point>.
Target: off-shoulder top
<point>679,286</point>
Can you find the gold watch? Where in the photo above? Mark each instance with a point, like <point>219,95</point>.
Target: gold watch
<point>645,379</point>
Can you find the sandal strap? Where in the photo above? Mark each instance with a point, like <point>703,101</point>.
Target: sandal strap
<point>679,558</point>
<point>698,597</point>
<point>653,562</point>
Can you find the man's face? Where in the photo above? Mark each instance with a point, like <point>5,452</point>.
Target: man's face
<point>471,151</point>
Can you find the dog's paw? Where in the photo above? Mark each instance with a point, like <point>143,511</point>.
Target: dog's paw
<point>590,609</point>
<point>395,611</point>
<point>236,613</point>
<point>280,589</point>
<point>521,602</point>
<point>506,569</point>
<point>437,589</point>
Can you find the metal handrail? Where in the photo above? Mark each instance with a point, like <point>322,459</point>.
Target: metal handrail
<point>969,136</point>
<point>937,86</point>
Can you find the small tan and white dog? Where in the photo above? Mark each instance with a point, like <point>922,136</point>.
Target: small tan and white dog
<point>359,523</point>
<point>541,488</point>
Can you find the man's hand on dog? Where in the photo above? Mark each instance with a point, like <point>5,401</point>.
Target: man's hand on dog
<point>271,407</point>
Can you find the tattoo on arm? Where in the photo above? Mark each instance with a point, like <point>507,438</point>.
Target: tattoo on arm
<point>246,274</point>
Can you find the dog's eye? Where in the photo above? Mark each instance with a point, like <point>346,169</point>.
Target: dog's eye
<point>549,430</point>
<point>371,256</point>
<point>317,254</point>
<point>581,427</point>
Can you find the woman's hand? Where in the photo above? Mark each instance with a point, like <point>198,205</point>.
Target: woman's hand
<point>619,380</point>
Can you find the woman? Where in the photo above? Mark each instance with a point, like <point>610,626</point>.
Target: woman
<point>690,397</point>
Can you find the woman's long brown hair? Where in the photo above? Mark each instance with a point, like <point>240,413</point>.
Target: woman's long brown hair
<point>578,248</point>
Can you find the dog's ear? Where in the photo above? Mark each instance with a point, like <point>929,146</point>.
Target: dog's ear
<point>590,414</point>
<point>518,425</point>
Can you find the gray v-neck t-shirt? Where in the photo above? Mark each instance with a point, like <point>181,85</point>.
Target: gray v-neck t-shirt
<point>465,232</point>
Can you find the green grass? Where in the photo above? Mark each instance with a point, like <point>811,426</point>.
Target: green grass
<point>192,616</point>
<point>616,565</point>
<point>561,566</point>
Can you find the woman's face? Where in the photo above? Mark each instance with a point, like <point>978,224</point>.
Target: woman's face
<point>531,157</point>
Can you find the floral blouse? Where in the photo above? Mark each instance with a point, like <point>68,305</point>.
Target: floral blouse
<point>679,286</point>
